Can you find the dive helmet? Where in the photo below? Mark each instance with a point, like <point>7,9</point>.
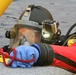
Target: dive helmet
<point>32,17</point>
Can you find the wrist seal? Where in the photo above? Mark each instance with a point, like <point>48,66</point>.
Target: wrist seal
<point>46,55</point>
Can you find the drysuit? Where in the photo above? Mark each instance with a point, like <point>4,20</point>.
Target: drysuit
<point>46,55</point>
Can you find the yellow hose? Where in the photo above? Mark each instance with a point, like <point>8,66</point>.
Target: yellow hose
<point>4,5</point>
<point>1,59</point>
<point>71,42</point>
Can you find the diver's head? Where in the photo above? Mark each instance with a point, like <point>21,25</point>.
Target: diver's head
<point>30,24</point>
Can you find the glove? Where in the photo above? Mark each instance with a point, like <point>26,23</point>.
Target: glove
<point>24,52</point>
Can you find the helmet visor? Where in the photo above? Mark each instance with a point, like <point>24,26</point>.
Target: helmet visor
<point>23,35</point>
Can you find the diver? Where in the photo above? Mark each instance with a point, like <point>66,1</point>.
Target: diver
<point>41,54</point>
<point>35,24</point>
<point>29,26</point>
<point>41,29</point>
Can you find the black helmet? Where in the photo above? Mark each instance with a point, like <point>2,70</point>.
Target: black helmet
<point>33,16</point>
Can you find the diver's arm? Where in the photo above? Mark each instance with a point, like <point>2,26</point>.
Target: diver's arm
<point>54,55</point>
<point>45,54</point>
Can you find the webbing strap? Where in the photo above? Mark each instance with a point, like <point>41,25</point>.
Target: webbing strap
<point>65,60</point>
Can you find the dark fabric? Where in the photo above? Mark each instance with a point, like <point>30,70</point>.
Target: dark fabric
<point>39,14</point>
<point>65,60</point>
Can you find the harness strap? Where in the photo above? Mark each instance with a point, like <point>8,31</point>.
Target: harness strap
<point>65,60</point>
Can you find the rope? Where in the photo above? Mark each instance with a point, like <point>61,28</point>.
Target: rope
<point>13,58</point>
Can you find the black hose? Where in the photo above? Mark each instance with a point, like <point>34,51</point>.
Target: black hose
<point>74,35</point>
<point>67,36</point>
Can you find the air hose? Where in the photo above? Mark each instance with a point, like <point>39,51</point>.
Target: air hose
<point>6,55</point>
<point>68,35</point>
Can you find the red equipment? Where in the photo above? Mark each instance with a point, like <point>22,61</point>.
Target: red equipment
<point>65,57</point>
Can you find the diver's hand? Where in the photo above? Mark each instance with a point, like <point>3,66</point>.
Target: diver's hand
<point>24,53</point>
